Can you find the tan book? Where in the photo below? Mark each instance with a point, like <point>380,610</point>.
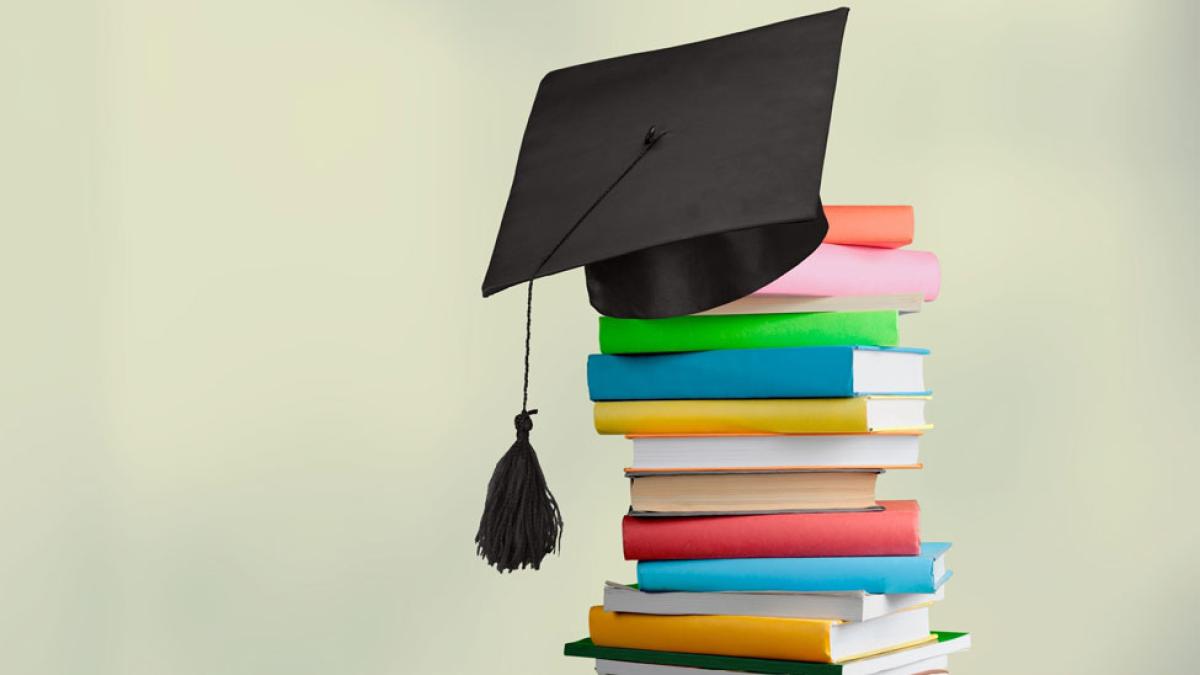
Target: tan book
<point>751,491</point>
<point>790,304</point>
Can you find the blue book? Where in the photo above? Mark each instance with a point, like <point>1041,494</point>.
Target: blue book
<point>788,372</point>
<point>923,573</point>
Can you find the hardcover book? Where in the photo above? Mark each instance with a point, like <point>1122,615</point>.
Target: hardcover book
<point>923,573</point>
<point>753,491</point>
<point>691,453</point>
<point>882,226</point>
<point>747,331</point>
<point>821,640</point>
<point>904,303</point>
<point>859,270</point>
<point>844,606</point>
<point>858,415</point>
<point>790,372</point>
<point>894,530</point>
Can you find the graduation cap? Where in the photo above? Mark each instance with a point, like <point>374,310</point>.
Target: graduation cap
<point>680,179</point>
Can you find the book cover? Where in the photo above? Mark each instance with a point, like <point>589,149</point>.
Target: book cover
<point>923,573</point>
<point>861,414</point>
<point>859,270</point>
<point>894,531</point>
<point>792,372</point>
<point>748,331</point>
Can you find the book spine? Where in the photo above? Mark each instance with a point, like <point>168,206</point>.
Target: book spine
<point>748,331</point>
<point>745,636</point>
<point>804,372</point>
<point>733,416</point>
<point>891,532</point>
<point>879,226</point>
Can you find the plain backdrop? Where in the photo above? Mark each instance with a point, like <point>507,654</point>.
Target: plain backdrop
<point>250,396</point>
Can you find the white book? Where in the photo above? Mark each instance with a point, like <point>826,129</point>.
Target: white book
<point>832,450</point>
<point>937,665</point>
<point>789,304</point>
<point>842,606</point>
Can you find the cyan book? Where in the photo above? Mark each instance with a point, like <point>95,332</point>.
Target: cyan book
<point>923,573</point>
<point>788,372</point>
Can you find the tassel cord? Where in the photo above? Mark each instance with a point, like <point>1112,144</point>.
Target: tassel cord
<point>652,137</point>
<point>528,337</point>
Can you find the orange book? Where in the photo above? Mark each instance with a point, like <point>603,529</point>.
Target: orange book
<point>878,226</point>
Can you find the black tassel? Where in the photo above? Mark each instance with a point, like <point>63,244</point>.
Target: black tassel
<point>521,522</point>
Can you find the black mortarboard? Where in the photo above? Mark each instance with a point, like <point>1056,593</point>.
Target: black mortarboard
<point>681,179</point>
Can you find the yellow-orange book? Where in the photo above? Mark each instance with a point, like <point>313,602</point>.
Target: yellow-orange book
<point>855,415</point>
<point>819,640</point>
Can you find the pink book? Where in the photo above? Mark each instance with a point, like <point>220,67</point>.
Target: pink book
<point>860,270</point>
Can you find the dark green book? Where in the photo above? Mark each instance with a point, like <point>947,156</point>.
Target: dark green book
<point>945,644</point>
<point>749,331</point>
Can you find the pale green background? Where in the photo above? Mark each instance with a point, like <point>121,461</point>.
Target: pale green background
<point>251,396</point>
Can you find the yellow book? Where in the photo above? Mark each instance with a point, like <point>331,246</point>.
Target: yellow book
<point>857,415</point>
<point>788,639</point>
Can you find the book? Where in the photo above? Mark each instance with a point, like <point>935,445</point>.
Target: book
<point>795,639</point>
<point>834,269</point>
<point>788,372</point>
<point>675,453</point>
<point>891,531</point>
<point>861,414</point>
<point>923,573</point>
<point>747,331</point>
<point>753,491</point>
<point>895,662</point>
<point>937,665</point>
<point>904,303</point>
<point>882,226</point>
<point>844,606</point>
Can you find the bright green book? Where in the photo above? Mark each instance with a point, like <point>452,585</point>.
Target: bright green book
<point>946,643</point>
<point>749,331</point>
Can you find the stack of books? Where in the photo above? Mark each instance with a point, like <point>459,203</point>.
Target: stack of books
<point>759,431</point>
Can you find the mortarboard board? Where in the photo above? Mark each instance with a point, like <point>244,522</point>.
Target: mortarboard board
<point>680,179</point>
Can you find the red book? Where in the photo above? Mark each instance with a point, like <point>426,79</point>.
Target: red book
<point>882,226</point>
<point>892,531</point>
